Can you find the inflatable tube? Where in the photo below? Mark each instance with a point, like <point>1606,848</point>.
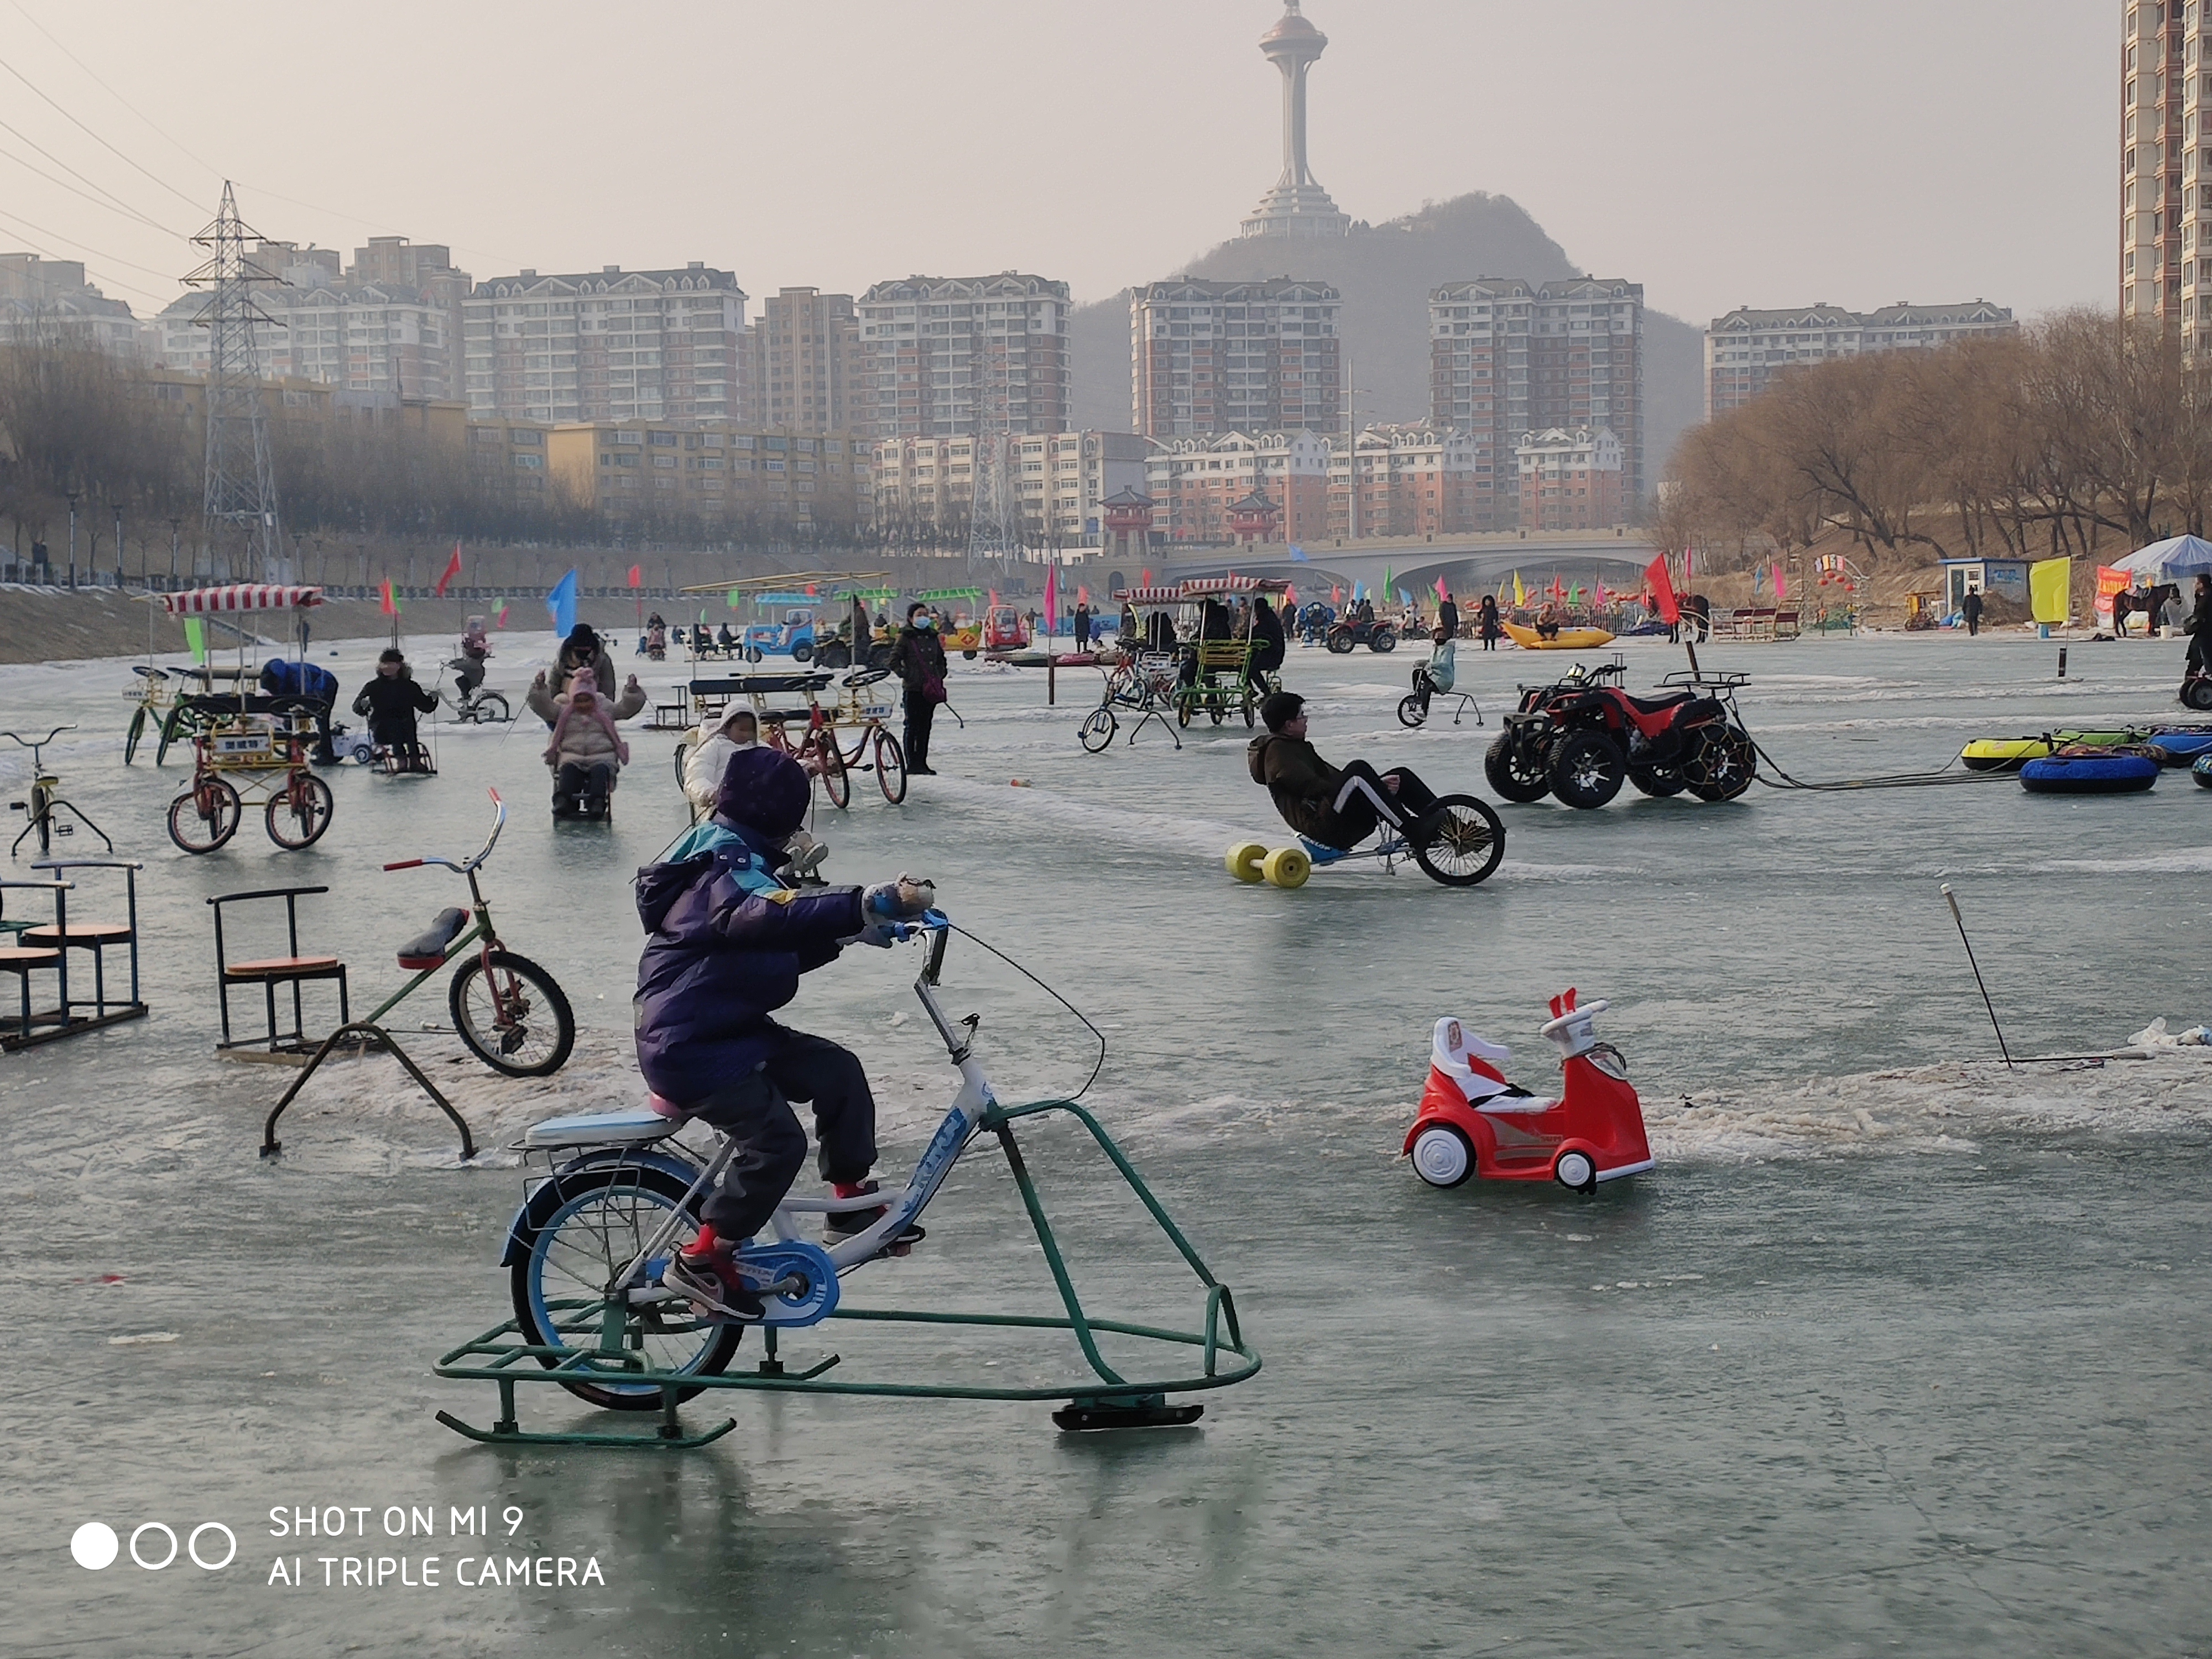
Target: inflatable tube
<point>2180,748</point>
<point>2089,775</point>
<point>1570,639</point>
<point>2202,771</point>
<point>2004,754</point>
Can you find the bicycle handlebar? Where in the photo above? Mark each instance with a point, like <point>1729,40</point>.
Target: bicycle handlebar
<point>42,742</point>
<point>498,824</point>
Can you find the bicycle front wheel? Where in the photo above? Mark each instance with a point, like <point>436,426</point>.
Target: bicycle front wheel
<point>890,767</point>
<point>205,816</point>
<point>492,710</point>
<point>1098,728</point>
<point>1458,842</point>
<point>297,816</point>
<point>597,1221</point>
<point>514,1018</point>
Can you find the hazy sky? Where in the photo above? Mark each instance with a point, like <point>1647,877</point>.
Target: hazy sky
<point>1725,152</point>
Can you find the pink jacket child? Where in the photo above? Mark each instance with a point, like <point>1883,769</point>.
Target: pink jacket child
<point>584,733</point>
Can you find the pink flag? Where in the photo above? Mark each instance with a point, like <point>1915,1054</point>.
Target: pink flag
<point>1599,593</point>
<point>1781,582</point>
<point>1442,592</point>
<point>1051,594</point>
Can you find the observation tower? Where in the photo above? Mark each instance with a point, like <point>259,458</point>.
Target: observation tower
<point>1298,206</point>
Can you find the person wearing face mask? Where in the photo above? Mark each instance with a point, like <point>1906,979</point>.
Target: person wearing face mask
<point>918,660</point>
<point>706,765</point>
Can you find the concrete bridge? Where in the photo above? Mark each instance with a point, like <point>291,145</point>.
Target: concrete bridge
<point>1470,564</point>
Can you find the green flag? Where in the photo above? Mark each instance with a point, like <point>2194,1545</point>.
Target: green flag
<point>196,638</point>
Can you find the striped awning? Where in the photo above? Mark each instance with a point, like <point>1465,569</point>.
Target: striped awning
<point>1149,595</point>
<point>1217,587</point>
<point>239,596</point>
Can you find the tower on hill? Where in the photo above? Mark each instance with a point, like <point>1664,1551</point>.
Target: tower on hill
<point>1298,206</point>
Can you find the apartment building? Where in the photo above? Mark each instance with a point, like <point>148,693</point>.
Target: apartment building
<point>1404,481</point>
<point>611,346</point>
<point>2165,183</point>
<point>1745,348</point>
<point>945,356</point>
<point>1060,480</point>
<point>1218,358</point>
<point>1195,481</point>
<point>48,302</point>
<point>1508,356</point>
<point>803,355</point>
<point>1571,480</point>
<point>719,478</point>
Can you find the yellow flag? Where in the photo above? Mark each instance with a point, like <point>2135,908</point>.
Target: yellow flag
<point>2049,583</point>
<point>1520,594</point>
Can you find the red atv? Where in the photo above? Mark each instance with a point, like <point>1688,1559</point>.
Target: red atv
<point>1580,737</point>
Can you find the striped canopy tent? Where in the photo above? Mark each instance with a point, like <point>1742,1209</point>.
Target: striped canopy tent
<point>1151,595</point>
<point>239,596</point>
<point>1229,587</point>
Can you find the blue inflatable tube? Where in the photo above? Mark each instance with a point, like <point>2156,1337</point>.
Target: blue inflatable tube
<point>2090,775</point>
<point>2202,771</point>
<point>2180,748</point>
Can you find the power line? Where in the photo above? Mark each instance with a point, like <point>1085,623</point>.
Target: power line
<point>112,91</point>
<point>114,204</point>
<point>86,248</point>
<point>81,127</point>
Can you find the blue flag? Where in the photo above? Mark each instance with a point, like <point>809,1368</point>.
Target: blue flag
<point>1298,555</point>
<point>560,605</point>
<point>1404,597</point>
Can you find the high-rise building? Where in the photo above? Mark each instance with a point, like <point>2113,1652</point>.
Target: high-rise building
<point>48,302</point>
<point>947,355</point>
<point>1403,481</point>
<point>1196,481</point>
<point>716,477</point>
<point>805,352</point>
<point>1745,348</point>
<point>1296,205</point>
<point>2160,106</point>
<point>1060,480</point>
<point>1509,356</point>
<point>1570,480</point>
<point>1213,357</point>
<point>614,345</point>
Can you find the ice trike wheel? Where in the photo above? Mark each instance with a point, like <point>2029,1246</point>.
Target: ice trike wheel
<point>1577,1172</point>
<point>1383,639</point>
<point>1251,706</point>
<point>1411,711</point>
<point>1587,770</point>
<point>299,813</point>
<point>891,768</point>
<point>1723,764</point>
<point>205,816</point>
<point>1097,729</point>
<point>836,781</point>
<point>588,1226</point>
<point>1243,860</point>
<point>1658,781</point>
<point>1458,842</point>
<point>1182,711</point>
<point>1514,773</point>
<point>1442,1156</point>
<point>1339,640</point>
<point>492,707</point>
<point>1286,866</point>
<point>515,1019</point>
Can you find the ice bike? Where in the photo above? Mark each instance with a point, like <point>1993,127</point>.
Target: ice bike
<point>587,1248</point>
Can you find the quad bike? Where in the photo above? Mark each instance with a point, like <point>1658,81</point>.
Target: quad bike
<point>1582,736</point>
<point>1375,635</point>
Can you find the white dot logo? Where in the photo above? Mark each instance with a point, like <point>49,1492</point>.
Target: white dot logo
<point>94,1546</point>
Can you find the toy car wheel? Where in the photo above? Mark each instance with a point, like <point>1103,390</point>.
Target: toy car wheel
<point>754,654</point>
<point>1097,729</point>
<point>363,752</point>
<point>1458,842</point>
<point>1287,867</point>
<point>1577,1172</point>
<point>1442,1156</point>
<point>2197,694</point>
<point>1243,860</point>
<point>1587,770</point>
<point>968,656</point>
<point>1514,773</point>
<point>1383,639</point>
<point>1411,713</point>
<point>802,653</point>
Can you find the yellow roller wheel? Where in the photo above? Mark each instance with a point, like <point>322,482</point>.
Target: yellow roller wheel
<point>1243,860</point>
<point>1286,866</point>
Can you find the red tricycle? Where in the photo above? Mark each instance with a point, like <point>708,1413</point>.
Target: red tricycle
<point>1473,1122</point>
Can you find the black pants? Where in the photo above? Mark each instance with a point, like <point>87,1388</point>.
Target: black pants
<point>2199,659</point>
<point>771,1146</point>
<point>920,712</point>
<point>577,781</point>
<point>469,675</point>
<point>1355,818</point>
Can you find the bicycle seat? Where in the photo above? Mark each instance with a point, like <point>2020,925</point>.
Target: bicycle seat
<point>427,948</point>
<point>634,1126</point>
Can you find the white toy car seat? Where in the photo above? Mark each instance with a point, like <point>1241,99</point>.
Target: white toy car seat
<point>1472,1062</point>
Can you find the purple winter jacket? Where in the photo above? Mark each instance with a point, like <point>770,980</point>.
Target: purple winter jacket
<point>719,957</point>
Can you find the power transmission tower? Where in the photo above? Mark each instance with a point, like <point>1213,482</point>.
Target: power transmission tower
<point>994,532</point>
<point>240,484</point>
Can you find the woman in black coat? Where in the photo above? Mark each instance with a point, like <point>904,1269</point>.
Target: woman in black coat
<point>918,660</point>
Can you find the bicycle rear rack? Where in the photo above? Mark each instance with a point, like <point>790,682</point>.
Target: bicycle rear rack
<point>1105,1399</point>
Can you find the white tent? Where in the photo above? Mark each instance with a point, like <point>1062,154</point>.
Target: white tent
<point>2178,555</point>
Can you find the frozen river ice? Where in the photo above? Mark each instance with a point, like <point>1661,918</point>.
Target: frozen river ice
<point>1894,1350</point>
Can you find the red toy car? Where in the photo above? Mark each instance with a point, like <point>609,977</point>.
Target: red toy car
<point>1473,1122</point>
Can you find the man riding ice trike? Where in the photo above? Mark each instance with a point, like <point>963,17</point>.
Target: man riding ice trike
<point>1456,839</point>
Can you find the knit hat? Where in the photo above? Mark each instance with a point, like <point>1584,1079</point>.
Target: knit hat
<point>765,791</point>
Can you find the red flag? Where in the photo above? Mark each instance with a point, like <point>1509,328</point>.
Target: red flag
<point>1663,590</point>
<point>1335,594</point>
<point>1051,595</point>
<point>388,607</point>
<point>637,576</point>
<point>452,569</point>
<point>1148,582</point>
<point>1558,592</point>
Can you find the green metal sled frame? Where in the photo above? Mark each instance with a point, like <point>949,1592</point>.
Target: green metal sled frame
<point>502,1358</point>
